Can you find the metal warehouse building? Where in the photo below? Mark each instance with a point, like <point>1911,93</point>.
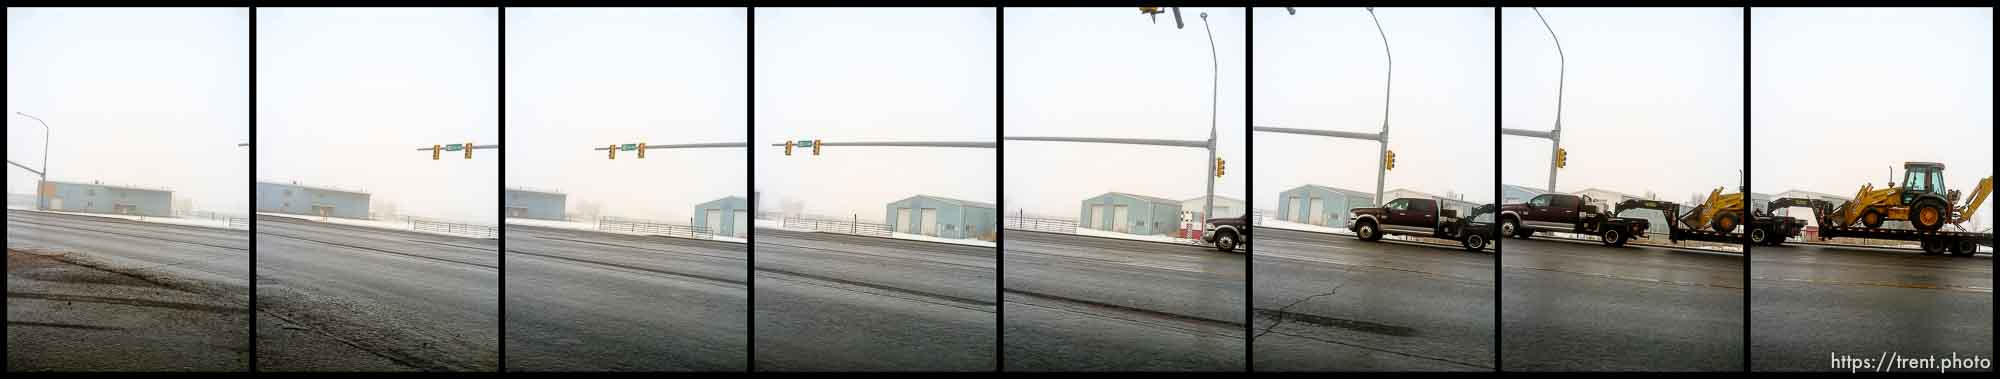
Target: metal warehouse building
<point>1224,207</point>
<point>314,201</point>
<point>729,216</point>
<point>102,198</point>
<point>942,217</point>
<point>1128,213</point>
<point>537,204</point>
<point>1321,205</point>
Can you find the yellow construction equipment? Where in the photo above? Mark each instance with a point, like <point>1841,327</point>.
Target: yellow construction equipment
<point>1722,212</point>
<point>1922,200</point>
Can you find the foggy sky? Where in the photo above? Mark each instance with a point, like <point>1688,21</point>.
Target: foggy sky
<point>582,78</point>
<point>345,96</point>
<point>144,97</point>
<point>1840,96</point>
<point>1654,99</point>
<point>865,75</point>
<point>1110,72</point>
<point>1323,69</point>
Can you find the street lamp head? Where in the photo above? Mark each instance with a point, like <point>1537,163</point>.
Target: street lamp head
<point>1204,16</point>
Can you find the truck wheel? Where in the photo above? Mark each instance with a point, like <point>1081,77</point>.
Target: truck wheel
<point>1932,247</point>
<point>1964,247</point>
<point>1510,228</point>
<point>1871,218</point>
<point>1226,242</point>
<point>1725,223</point>
<point>1368,231</point>
<point>1928,215</point>
<point>1474,241</point>
<point>1759,237</point>
<point>1613,238</point>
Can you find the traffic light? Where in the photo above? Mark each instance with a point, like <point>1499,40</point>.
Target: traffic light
<point>1562,158</point>
<point>1152,12</point>
<point>642,150</point>
<point>611,152</point>
<point>788,148</point>
<point>1389,160</point>
<point>436,150</point>
<point>816,147</point>
<point>1218,167</point>
<point>468,150</point>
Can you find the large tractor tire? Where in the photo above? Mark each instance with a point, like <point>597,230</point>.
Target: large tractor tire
<point>1872,218</point>
<point>1725,223</point>
<point>1928,215</point>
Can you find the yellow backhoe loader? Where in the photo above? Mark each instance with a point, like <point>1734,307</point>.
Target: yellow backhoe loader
<point>1922,200</point>
<point>1722,212</point>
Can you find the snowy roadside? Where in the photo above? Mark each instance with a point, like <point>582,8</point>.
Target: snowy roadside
<point>208,223</point>
<point>780,225</point>
<point>378,224</point>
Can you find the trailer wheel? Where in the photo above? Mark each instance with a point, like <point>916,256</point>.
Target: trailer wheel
<point>1613,238</point>
<point>1871,218</point>
<point>1725,223</point>
<point>1964,247</point>
<point>1759,237</point>
<point>1928,215</point>
<point>1473,241</point>
<point>1368,231</point>
<point>1932,247</point>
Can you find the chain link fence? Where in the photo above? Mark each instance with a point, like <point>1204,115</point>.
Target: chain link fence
<point>629,225</point>
<point>469,230</point>
<point>842,227</point>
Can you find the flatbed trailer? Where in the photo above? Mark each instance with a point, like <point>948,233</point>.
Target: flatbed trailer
<point>1959,243</point>
<point>1767,231</point>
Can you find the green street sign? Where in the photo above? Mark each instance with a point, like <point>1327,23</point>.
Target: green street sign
<point>454,147</point>
<point>806,143</point>
<point>628,147</point>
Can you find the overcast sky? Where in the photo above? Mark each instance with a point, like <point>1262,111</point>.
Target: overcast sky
<point>1323,69</point>
<point>1840,96</point>
<point>1110,72</point>
<point>583,78</point>
<point>345,96</point>
<point>866,75</point>
<point>1653,101</point>
<point>145,97</point>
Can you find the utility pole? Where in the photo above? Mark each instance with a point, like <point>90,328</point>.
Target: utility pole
<point>41,198</point>
<point>1382,137</point>
<point>1554,136</point>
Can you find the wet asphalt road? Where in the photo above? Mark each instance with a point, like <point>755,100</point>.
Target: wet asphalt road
<point>1350,305</point>
<point>589,301</point>
<point>1581,306</point>
<point>94,294</point>
<point>831,302</point>
<point>413,301</point>
<point>1087,303</point>
<point>1808,302</point>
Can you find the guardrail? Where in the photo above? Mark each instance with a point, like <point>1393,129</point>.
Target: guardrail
<point>1050,225</point>
<point>475,231</point>
<point>629,225</point>
<point>843,227</point>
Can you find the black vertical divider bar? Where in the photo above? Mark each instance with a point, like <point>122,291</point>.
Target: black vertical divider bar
<point>1000,187</point>
<point>1498,277</point>
<point>252,214</point>
<point>1249,199</point>
<point>500,192</point>
<point>1746,187</point>
<point>750,175</point>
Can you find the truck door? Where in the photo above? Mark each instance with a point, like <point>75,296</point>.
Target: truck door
<point>1565,209</point>
<point>1395,212</point>
<point>1421,214</point>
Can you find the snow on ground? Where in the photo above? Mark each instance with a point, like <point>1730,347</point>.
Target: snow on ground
<point>202,222</point>
<point>378,224</point>
<point>553,224</point>
<point>1129,236</point>
<point>1288,225</point>
<point>780,225</point>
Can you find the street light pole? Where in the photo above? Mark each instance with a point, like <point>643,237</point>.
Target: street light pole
<point>1214,77</point>
<point>1555,136</point>
<point>1381,156</point>
<point>41,201</point>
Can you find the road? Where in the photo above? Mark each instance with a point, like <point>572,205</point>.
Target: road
<point>832,302</point>
<point>1078,303</point>
<point>1808,302</point>
<point>1582,306</point>
<point>590,301</point>
<point>395,300</point>
<point>105,294</point>
<point>1336,303</point>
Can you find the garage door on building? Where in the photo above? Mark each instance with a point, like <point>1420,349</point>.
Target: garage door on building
<point>904,222</point>
<point>1318,211</point>
<point>742,224</point>
<point>1120,219</point>
<point>930,221</point>
<point>1298,210</point>
<point>1097,216</point>
<point>714,218</point>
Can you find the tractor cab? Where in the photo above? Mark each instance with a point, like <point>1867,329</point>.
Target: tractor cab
<point>1922,178</point>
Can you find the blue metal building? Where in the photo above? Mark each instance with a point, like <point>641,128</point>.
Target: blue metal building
<point>102,198</point>
<point>1314,204</point>
<point>942,217</point>
<point>729,216</point>
<point>537,204</point>
<point>1128,213</point>
<point>294,198</point>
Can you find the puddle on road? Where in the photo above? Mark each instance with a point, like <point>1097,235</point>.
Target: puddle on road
<point>1354,325</point>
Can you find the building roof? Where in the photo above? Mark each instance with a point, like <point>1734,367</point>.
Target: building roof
<point>962,203</point>
<point>1612,192</point>
<point>537,190</point>
<point>1142,197</point>
<point>1343,191</point>
<point>317,188</point>
<point>115,186</point>
<point>1537,191</point>
<point>1217,198</point>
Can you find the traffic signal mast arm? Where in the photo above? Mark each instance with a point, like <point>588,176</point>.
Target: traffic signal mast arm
<point>986,145</point>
